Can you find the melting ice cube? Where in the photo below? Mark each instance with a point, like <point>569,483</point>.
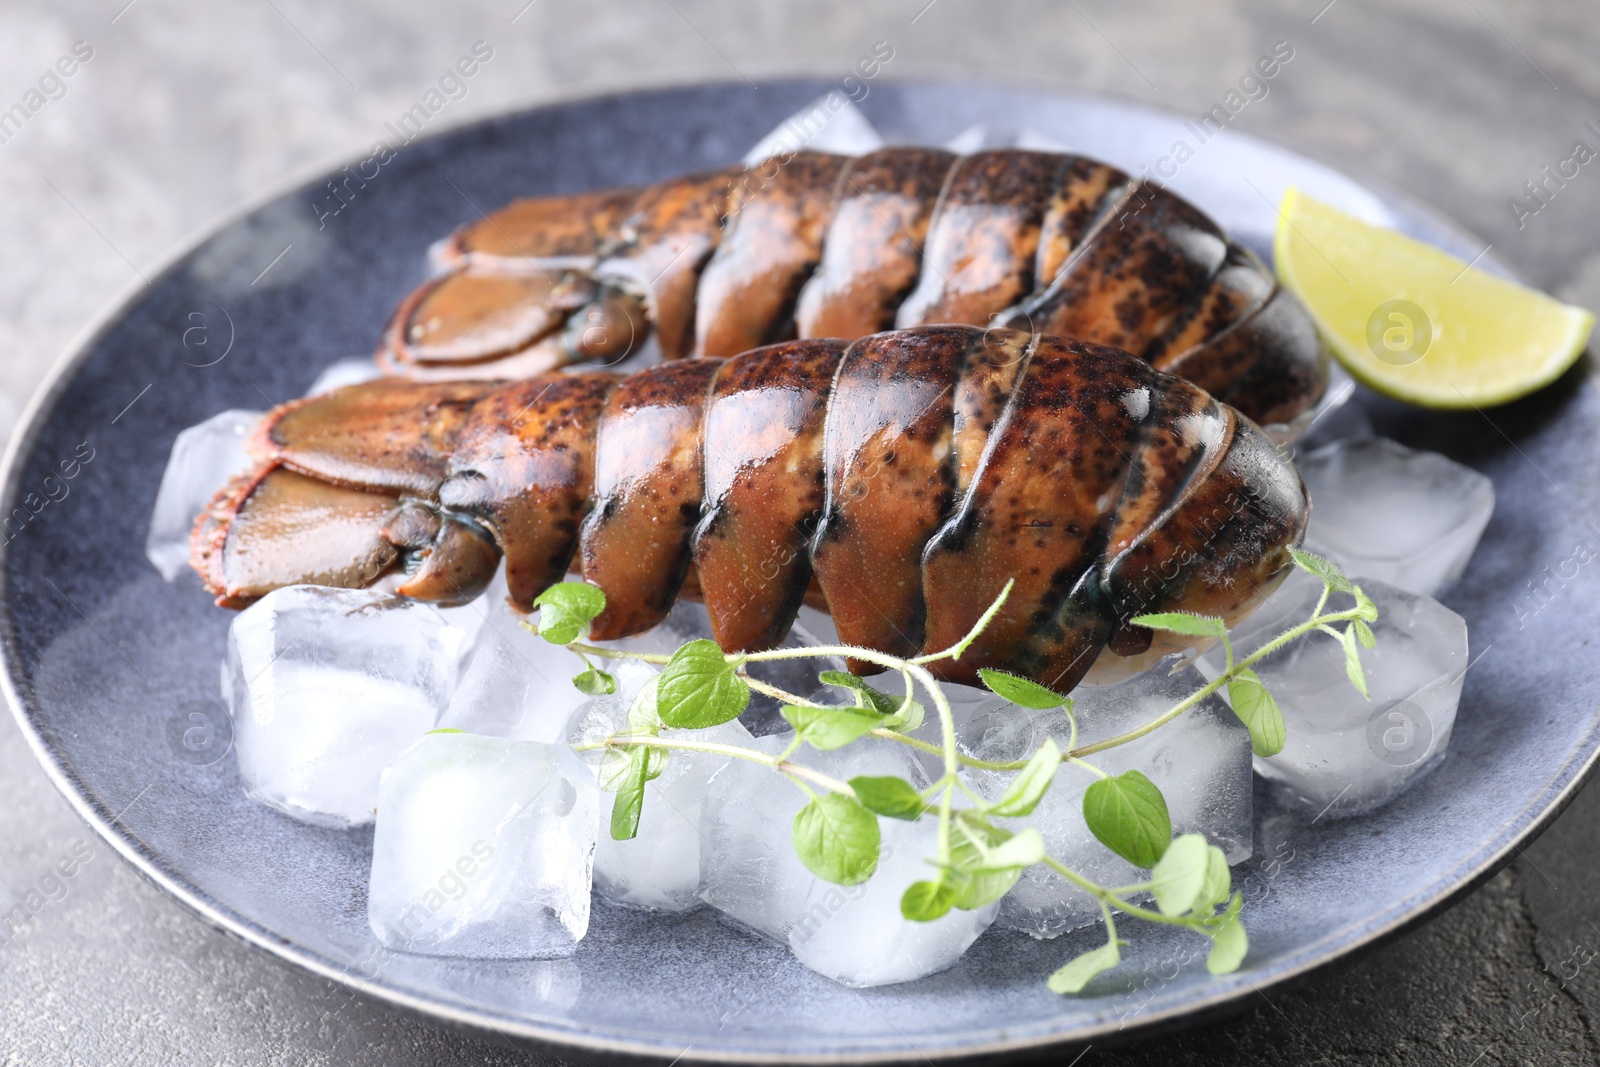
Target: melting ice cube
<point>517,684</point>
<point>1200,761</point>
<point>830,123</point>
<point>1388,512</point>
<point>326,687</point>
<point>483,848</point>
<point>748,867</point>
<point>1346,754</point>
<point>202,460</point>
<point>352,371</point>
<point>857,935</point>
<point>660,867</point>
<point>688,621</point>
<point>489,611</point>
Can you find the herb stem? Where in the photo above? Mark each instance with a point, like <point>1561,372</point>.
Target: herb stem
<point>1314,623</point>
<point>658,658</point>
<point>1106,896</point>
<point>778,763</point>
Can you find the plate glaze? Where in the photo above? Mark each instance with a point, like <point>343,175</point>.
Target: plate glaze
<point>106,666</point>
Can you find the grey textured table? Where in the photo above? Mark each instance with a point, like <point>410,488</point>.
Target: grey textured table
<point>184,110</point>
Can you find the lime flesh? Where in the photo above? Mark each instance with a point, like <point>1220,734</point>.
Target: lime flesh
<point>1415,323</point>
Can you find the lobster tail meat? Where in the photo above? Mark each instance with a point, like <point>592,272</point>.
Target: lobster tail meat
<point>818,245</point>
<point>898,481</point>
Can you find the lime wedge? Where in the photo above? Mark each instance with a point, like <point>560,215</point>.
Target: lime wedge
<point>1415,323</point>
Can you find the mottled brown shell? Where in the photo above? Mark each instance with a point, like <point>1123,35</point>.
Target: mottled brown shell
<point>813,245</point>
<point>902,480</point>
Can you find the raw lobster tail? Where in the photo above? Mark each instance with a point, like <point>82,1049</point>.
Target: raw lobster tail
<point>830,246</point>
<point>899,481</point>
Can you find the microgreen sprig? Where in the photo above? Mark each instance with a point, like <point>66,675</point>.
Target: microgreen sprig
<point>977,859</point>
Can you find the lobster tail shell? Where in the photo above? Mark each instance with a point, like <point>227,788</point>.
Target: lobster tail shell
<point>815,245</point>
<point>901,480</point>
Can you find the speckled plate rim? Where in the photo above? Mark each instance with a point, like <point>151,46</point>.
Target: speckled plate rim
<point>1225,995</point>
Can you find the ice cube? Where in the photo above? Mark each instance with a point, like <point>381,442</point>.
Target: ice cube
<point>688,621</point>
<point>1200,761</point>
<point>352,371</point>
<point>1039,141</point>
<point>857,935</point>
<point>975,138</point>
<point>1345,754</point>
<point>1333,418</point>
<point>483,848</point>
<point>748,867</point>
<point>326,687</point>
<point>202,460</point>
<point>660,867</point>
<point>488,611</point>
<point>830,123</point>
<point>816,627</point>
<point>1289,605</point>
<point>519,685</point>
<point>1385,511</point>
<point>966,704</point>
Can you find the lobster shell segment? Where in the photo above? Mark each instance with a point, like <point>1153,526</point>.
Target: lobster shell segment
<point>900,482</point>
<point>819,245</point>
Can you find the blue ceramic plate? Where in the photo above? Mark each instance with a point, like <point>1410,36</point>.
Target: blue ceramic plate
<point>106,665</point>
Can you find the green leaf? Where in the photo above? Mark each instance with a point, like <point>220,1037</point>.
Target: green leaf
<point>923,902</point>
<point>699,688</point>
<point>844,680</point>
<point>1129,816</point>
<point>1364,634</point>
<point>446,730</point>
<point>1181,876</point>
<point>907,722</point>
<point>1218,880</point>
<point>595,682</point>
<point>640,720</point>
<point>894,797</point>
<point>1081,971</point>
<point>617,763</point>
<point>1229,944</point>
<point>1331,576</point>
<point>971,841</point>
<point>1182,622</point>
<point>1030,784</point>
<point>643,716</point>
<point>1352,661</point>
<point>565,609</point>
<point>1022,849</point>
<point>1259,712</point>
<point>629,804</point>
<point>880,703</point>
<point>831,727</point>
<point>1368,610</point>
<point>837,839</point>
<point>1019,690</point>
